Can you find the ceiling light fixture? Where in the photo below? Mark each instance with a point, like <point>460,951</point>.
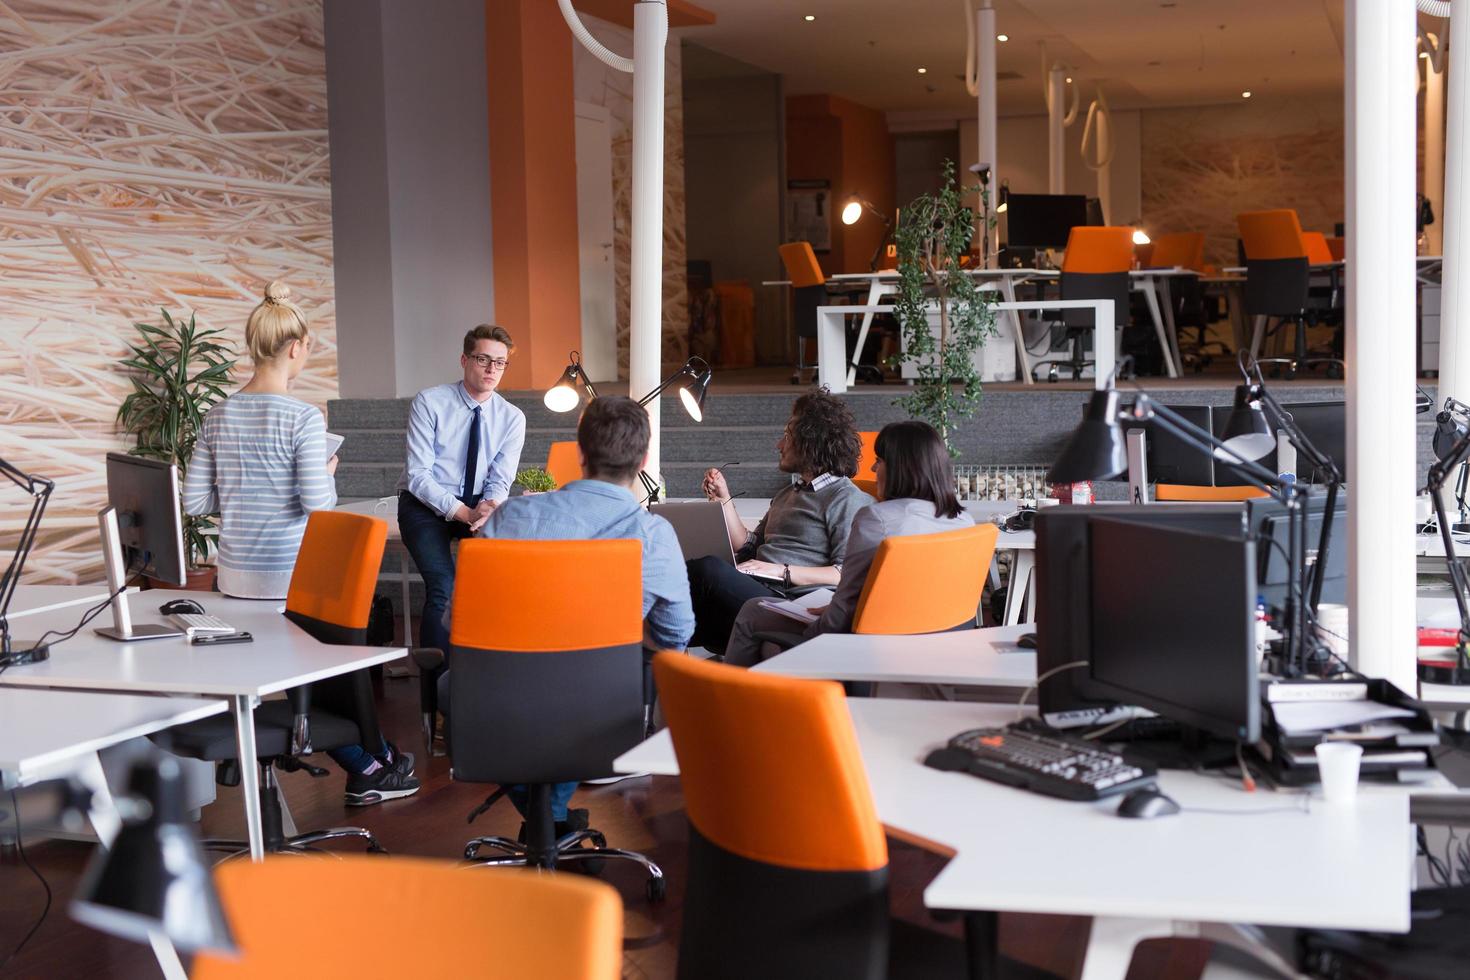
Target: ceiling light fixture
<point>1245,95</point>
<point>809,18</point>
<point>1002,38</point>
<point>923,71</point>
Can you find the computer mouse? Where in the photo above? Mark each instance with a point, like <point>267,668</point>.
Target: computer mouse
<point>1145,804</point>
<point>176,606</point>
<point>1026,641</point>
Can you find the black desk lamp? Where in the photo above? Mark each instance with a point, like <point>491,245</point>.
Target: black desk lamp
<point>1097,451</point>
<point>40,491</point>
<point>1450,458</point>
<point>692,380</point>
<point>154,878</point>
<point>1450,425</point>
<point>852,212</point>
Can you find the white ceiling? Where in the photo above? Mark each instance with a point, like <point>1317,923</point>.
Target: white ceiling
<point>1143,52</point>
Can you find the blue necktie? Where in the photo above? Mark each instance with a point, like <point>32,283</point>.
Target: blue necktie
<point>472,459</point>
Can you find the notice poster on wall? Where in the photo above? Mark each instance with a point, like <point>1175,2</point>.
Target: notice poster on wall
<point>809,213</point>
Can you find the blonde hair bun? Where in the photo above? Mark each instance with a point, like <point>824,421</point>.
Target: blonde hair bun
<point>274,323</point>
<point>277,292</point>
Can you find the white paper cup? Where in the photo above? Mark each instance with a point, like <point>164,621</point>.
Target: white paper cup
<point>1337,765</point>
<point>1332,627</point>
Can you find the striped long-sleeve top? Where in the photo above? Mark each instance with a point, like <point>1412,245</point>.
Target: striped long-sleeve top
<point>260,462</point>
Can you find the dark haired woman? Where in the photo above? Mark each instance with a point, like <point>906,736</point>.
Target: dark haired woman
<point>801,541</point>
<point>915,496</point>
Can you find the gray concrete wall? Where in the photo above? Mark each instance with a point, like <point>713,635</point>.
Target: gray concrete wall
<point>409,132</point>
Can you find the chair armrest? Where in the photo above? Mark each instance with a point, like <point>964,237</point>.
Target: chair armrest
<point>427,658</point>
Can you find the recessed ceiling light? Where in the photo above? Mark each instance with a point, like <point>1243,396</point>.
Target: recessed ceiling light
<point>809,18</point>
<point>923,71</point>
<point>1002,38</point>
<point>1245,95</point>
<point>1069,81</point>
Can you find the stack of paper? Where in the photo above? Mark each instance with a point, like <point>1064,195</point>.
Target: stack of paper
<point>804,609</point>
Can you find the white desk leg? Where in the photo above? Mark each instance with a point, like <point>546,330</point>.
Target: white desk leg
<point>106,822</point>
<point>831,350</point>
<point>1111,942</point>
<point>1151,297</point>
<point>1022,562</point>
<point>1166,300</point>
<point>875,289</point>
<point>242,708</point>
<point>1008,290</point>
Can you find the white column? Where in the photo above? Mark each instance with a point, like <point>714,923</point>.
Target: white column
<point>1380,138</point>
<point>985,106</point>
<point>1454,299</point>
<point>1434,151</point>
<point>1105,169</point>
<point>645,314</point>
<point>1056,130</point>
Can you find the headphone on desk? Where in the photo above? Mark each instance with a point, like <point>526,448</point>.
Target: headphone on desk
<point>1021,520</point>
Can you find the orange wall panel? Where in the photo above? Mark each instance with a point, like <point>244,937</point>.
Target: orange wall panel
<point>533,186</point>
<point>831,138</point>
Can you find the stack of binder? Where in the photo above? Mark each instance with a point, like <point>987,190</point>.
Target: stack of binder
<point>1395,732</point>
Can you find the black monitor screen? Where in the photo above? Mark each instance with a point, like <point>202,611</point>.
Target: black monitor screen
<point>1176,634</point>
<point>1325,424</point>
<point>1095,212</point>
<point>1063,571</point>
<point>1043,220</point>
<point>1171,459</point>
<point>145,494</point>
<point>1269,525</point>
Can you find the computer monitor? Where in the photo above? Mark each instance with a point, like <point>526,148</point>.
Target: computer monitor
<point>1095,212</point>
<point>1171,459</point>
<point>142,533</point>
<point>1168,640</point>
<point>1325,424</point>
<point>1267,523</point>
<point>1043,220</point>
<point>1063,571</point>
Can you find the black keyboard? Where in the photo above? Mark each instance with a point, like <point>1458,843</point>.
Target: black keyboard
<point>1053,765</point>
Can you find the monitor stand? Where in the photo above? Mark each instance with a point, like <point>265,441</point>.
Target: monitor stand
<point>1189,749</point>
<point>123,628</point>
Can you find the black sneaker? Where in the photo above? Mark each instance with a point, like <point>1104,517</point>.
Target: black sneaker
<point>388,783</point>
<point>402,761</point>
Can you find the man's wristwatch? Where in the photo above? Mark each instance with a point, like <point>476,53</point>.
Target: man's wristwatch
<point>786,575</point>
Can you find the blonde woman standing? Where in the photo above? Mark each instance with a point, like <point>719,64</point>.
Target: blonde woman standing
<point>260,463</point>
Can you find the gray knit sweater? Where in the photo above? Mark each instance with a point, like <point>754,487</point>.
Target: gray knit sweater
<point>807,528</point>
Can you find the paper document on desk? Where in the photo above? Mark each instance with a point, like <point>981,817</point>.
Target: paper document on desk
<point>1297,717</point>
<point>803,609</point>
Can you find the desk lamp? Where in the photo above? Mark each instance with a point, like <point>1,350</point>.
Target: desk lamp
<point>1097,451</point>
<point>1452,457</point>
<point>154,878</point>
<point>852,212</point>
<point>692,380</point>
<point>40,491</point>
<point>1450,425</point>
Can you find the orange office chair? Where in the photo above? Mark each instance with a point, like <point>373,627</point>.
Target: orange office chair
<point>545,684</point>
<point>926,583</point>
<point>866,480</point>
<point>563,462</point>
<point>545,926</point>
<point>1185,249</point>
<point>808,291</point>
<point>1095,267</point>
<point>1337,248</point>
<point>1277,282</point>
<point>330,596</point>
<point>1318,251</point>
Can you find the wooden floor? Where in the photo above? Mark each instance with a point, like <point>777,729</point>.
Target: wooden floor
<point>643,814</point>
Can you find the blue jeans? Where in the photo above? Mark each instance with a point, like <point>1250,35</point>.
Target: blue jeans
<point>356,759</point>
<point>561,793</point>
<point>427,536</point>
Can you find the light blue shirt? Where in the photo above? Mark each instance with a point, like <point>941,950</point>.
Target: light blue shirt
<point>593,510</point>
<point>438,436</point>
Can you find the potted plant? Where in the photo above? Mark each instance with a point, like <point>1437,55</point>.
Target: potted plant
<point>178,372</point>
<point>933,235</point>
<point>534,480</point>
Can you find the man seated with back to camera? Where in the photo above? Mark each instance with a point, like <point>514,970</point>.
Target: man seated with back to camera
<point>612,441</point>
<point>800,543</point>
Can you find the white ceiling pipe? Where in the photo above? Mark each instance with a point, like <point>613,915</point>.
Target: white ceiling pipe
<point>980,82</point>
<point>1099,121</point>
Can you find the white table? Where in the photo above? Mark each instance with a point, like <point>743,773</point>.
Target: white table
<point>980,658</point>
<point>1193,874</point>
<point>31,600</point>
<point>55,734</point>
<point>283,656</point>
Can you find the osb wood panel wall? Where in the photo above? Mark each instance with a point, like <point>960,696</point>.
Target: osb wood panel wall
<point>152,155</point>
<point>600,85</point>
<point>1202,166</point>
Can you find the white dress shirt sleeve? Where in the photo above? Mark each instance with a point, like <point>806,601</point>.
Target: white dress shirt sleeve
<point>421,482</point>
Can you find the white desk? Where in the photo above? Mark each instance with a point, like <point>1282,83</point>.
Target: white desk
<point>980,658</point>
<point>283,656</point>
<point>1020,852</point>
<point>31,600</point>
<point>54,734</point>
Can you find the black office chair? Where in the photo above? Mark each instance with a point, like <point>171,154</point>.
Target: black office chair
<point>1277,284</point>
<point>1095,267</point>
<point>330,597</point>
<point>544,686</point>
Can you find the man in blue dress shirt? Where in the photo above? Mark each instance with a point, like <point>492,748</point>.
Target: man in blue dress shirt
<point>464,444</point>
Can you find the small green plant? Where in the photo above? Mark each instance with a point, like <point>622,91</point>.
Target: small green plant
<point>535,480</point>
<point>934,233</point>
<point>178,374</point>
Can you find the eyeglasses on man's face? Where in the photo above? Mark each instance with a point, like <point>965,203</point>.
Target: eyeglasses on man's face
<point>486,361</point>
